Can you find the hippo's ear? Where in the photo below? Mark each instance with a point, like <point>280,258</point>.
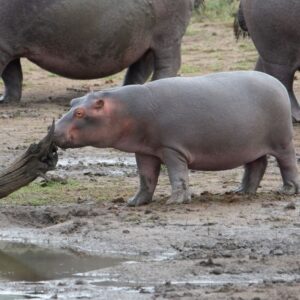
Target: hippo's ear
<point>75,101</point>
<point>99,103</point>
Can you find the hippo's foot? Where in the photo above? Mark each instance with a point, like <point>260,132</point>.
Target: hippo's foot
<point>295,107</point>
<point>179,198</point>
<point>9,99</point>
<point>3,99</point>
<point>245,190</point>
<point>296,116</point>
<point>141,198</point>
<point>290,188</point>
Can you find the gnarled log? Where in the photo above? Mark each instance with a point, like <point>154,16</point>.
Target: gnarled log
<point>36,161</point>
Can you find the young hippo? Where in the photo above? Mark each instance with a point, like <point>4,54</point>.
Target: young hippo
<point>214,122</point>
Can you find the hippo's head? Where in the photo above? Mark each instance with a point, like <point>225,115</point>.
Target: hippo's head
<point>91,121</point>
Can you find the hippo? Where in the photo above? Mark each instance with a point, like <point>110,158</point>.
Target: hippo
<point>274,28</point>
<point>214,122</point>
<point>92,39</point>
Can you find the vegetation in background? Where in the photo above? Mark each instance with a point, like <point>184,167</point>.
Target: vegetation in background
<point>221,10</point>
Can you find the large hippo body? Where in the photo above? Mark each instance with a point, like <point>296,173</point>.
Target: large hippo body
<point>92,38</point>
<point>214,122</point>
<point>274,28</point>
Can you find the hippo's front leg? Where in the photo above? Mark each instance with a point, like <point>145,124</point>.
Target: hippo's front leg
<point>178,174</point>
<point>148,168</point>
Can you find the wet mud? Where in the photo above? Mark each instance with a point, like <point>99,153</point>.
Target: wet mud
<point>213,247</point>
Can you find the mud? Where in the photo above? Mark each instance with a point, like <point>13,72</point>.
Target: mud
<point>221,246</point>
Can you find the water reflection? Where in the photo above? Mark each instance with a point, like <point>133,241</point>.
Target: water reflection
<point>26,262</point>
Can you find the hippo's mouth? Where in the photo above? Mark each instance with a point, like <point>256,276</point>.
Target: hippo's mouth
<point>66,143</point>
<point>62,141</point>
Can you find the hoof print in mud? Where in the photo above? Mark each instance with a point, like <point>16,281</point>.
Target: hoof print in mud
<point>36,161</point>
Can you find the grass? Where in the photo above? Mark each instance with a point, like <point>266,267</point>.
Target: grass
<point>217,10</point>
<point>192,31</point>
<point>39,193</point>
<point>190,69</point>
<point>52,75</point>
<point>245,64</point>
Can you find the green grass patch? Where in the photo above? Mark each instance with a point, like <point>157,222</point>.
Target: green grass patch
<point>246,64</point>
<point>52,75</point>
<point>39,193</point>
<point>192,31</point>
<point>221,10</point>
<point>190,69</point>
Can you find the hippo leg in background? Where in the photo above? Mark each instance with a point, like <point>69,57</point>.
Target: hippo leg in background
<point>286,75</point>
<point>254,172</point>
<point>139,72</point>
<point>163,62</point>
<point>288,168</point>
<point>166,61</point>
<point>178,174</point>
<point>13,78</point>
<point>259,65</point>
<point>148,168</point>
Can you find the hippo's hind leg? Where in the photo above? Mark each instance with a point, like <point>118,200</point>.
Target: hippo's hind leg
<point>287,162</point>
<point>167,61</point>
<point>139,72</point>
<point>178,174</point>
<point>13,78</point>
<point>148,168</point>
<point>254,171</point>
<point>285,74</point>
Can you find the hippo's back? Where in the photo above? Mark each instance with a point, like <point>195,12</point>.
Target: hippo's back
<point>242,113</point>
<point>220,93</point>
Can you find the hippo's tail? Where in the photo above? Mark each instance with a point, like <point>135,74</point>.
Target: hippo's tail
<point>239,26</point>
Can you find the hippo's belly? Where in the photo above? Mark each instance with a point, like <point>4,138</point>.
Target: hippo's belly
<point>85,64</point>
<point>90,40</point>
<point>226,160</point>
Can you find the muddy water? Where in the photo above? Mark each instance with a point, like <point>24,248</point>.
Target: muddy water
<point>89,160</point>
<point>26,262</point>
<point>99,163</point>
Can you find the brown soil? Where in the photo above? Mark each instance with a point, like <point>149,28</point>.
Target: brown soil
<point>221,246</point>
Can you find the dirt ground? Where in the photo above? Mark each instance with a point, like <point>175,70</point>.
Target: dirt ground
<point>221,246</point>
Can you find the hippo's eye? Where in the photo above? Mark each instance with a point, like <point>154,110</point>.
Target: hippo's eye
<point>79,113</point>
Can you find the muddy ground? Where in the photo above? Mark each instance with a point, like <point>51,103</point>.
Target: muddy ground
<point>221,246</point>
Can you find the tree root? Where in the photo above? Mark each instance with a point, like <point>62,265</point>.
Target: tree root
<point>36,161</point>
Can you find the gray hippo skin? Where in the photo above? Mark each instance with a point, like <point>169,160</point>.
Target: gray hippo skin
<point>274,26</point>
<point>91,39</point>
<point>215,122</point>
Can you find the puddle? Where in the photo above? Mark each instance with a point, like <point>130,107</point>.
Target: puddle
<point>89,160</point>
<point>98,165</point>
<point>25,262</point>
<point>15,297</point>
